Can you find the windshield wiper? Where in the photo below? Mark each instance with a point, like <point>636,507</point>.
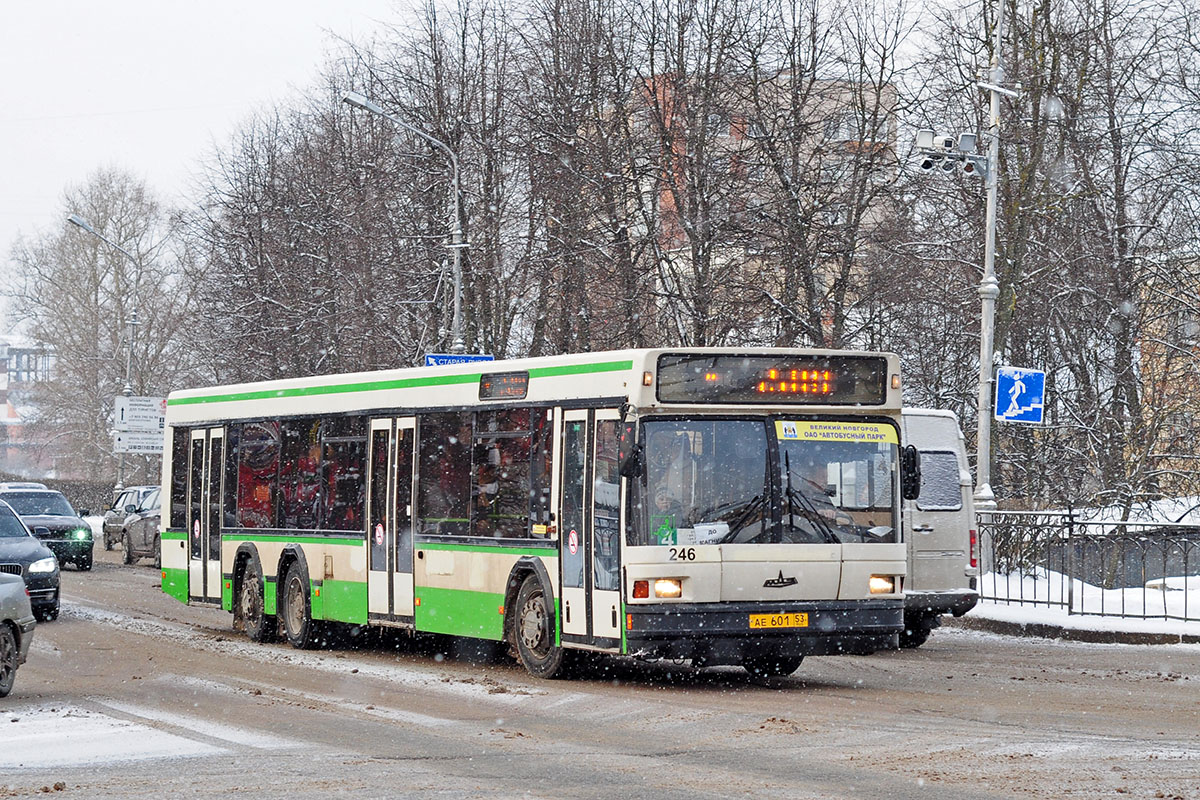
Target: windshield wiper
<point>819,523</point>
<point>747,510</point>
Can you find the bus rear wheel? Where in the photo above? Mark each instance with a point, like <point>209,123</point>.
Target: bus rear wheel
<point>533,631</point>
<point>258,625</point>
<point>297,609</point>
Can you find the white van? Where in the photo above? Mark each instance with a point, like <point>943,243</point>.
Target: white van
<point>939,527</point>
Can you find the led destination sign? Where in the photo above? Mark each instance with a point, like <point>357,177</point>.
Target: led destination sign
<point>504,386</point>
<point>813,380</point>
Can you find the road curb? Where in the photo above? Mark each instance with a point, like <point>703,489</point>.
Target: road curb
<point>1046,631</point>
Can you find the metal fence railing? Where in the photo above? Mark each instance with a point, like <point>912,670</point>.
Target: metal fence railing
<point>1148,570</point>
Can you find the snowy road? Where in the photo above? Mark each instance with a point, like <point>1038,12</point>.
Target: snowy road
<point>130,694</point>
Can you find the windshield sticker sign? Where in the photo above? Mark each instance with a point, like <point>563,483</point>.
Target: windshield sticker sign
<point>833,431</point>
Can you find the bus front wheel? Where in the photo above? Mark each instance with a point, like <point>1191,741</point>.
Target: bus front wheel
<point>533,631</point>
<point>770,665</point>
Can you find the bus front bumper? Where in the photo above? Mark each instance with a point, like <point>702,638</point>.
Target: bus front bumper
<point>728,633</point>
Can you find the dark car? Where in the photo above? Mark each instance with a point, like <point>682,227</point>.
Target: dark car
<point>128,501</point>
<point>52,520</point>
<point>23,555</point>
<point>140,539</point>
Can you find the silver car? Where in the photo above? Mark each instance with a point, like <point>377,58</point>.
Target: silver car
<point>140,539</point>
<point>16,629</point>
<point>127,503</point>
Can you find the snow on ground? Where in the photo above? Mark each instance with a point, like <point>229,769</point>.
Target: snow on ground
<point>1031,595</point>
<point>36,737</point>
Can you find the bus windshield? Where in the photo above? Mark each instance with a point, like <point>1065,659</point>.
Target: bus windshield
<point>735,481</point>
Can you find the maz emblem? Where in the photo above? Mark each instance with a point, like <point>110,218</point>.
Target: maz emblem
<point>780,582</point>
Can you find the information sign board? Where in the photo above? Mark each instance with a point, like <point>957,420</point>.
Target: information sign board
<point>147,442</point>
<point>139,413</point>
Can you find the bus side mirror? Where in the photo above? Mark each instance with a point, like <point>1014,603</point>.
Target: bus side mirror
<point>910,473</point>
<point>631,461</point>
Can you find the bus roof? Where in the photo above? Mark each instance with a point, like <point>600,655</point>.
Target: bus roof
<point>604,375</point>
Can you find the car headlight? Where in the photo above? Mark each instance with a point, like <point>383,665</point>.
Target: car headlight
<point>44,565</point>
<point>82,533</point>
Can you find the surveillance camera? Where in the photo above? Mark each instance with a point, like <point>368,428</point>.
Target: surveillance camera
<point>927,164</point>
<point>945,141</point>
<point>968,167</point>
<point>966,143</point>
<point>924,139</point>
<point>948,165</point>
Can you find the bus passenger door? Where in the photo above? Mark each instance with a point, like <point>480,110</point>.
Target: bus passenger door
<point>606,531</point>
<point>389,577</point>
<point>206,459</point>
<point>572,536</point>
<point>589,531</point>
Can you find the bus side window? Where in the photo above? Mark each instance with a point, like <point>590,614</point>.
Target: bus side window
<point>444,483</point>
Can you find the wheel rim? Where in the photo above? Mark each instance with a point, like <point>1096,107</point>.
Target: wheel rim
<point>252,602</point>
<point>8,659</point>
<point>295,605</point>
<point>533,626</point>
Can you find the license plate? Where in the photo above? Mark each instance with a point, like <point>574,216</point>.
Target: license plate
<point>795,620</point>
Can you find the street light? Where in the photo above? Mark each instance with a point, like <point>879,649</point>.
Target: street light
<point>949,151</point>
<point>456,237</point>
<point>127,391</point>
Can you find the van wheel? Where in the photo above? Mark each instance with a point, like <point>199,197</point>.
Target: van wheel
<point>916,630</point>
<point>533,632</point>
<point>298,623</point>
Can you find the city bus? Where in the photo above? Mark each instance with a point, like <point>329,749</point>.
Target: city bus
<point>729,506</point>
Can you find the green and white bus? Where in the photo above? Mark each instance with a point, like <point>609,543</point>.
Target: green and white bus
<point>728,506</point>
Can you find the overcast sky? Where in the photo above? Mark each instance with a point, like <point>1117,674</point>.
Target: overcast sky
<point>146,86</point>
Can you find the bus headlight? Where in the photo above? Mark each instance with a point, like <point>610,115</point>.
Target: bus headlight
<point>882,584</point>
<point>44,565</point>
<point>668,587</point>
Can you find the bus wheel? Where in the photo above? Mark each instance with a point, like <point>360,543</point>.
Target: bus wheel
<point>533,631</point>
<point>297,609</point>
<point>258,626</point>
<point>770,665</point>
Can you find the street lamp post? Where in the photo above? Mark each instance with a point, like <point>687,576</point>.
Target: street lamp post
<point>456,235</point>
<point>989,287</point>
<point>127,390</point>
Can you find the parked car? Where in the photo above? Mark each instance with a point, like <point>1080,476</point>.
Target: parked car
<point>52,520</point>
<point>939,527</point>
<point>16,629</point>
<point>128,501</point>
<point>21,554</point>
<point>140,539</point>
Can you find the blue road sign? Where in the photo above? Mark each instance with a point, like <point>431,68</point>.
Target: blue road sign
<point>1020,394</point>
<point>443,359</point>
